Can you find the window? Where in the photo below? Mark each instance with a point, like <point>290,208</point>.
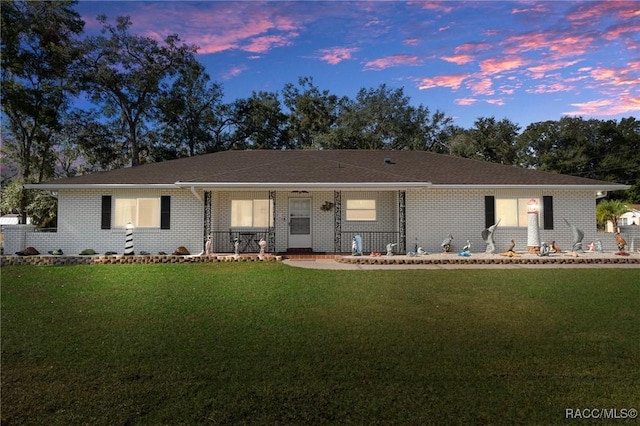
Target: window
<point>361,210</point>
<point>513,211</point>
<point>251,213</point>
<point>141,212</point>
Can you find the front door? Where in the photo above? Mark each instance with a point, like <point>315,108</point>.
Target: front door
<point>299,222</point>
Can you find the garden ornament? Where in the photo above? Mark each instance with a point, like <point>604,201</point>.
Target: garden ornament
<point>544,249</point>
<point>390,247</point>
<point>128,240</point>
<point>262,244</point>
<point>599,246</point>
<point>487,236</point>
<point>422,251</point>
<point>446,244</point>
<point>236,245</point>
<point>621,242</point>
<point>356,246</point>
<point>207,246</point>
<point>578,235</point>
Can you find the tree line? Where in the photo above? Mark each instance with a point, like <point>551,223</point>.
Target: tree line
<point>73,103</point>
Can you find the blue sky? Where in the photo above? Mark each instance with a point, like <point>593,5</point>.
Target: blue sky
<point>526,61</point>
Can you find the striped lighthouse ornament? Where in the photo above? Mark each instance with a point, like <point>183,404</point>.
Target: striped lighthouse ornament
<point>128,240</point>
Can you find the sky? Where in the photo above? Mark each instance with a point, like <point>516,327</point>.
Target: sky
<point>526,61</point>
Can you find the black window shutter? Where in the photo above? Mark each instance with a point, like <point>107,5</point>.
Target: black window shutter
<point>105,222</point>
<point>489,210</point>
<point>547,213</point>
<point>165,212</point>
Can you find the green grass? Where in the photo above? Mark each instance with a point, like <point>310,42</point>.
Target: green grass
<point>269,344</point>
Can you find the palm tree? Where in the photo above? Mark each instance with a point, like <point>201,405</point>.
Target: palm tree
<point>610,211</point>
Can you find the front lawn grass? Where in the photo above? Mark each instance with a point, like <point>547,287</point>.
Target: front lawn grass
<point>269,344</point>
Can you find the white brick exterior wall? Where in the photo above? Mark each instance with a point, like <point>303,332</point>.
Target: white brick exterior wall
<point>431,214</point>
<point>434,213</point>
<point>79,213</point>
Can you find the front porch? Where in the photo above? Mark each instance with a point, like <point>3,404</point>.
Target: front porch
<point>311,222</point>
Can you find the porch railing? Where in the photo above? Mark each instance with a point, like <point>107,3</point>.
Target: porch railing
<point>223,241</point>
<point>371,241</point>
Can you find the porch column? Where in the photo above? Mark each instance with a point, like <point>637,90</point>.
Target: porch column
<point>271,231</point>
<point>402,219</point>
<point>207,218</point>
<point>337,221</point>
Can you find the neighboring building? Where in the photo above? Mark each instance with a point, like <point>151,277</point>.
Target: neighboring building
<point>314,200</point>
<point>632,217</point>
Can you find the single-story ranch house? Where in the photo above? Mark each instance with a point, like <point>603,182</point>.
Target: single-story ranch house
<point>314,200</point>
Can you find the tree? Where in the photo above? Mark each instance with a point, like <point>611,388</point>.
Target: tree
<point>39,46</point>
<point>124,74</point>
<point>312,113</point>
<point>610,211</point>
<point>188,113</point>
<point>384,118</point>
<point>259,123</point>
<point>495,141</point>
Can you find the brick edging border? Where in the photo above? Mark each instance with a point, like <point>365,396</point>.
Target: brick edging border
<point>382,260</point>
<point>137,259</point>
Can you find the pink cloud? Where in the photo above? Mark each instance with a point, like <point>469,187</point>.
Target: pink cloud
<point>550,88</point>
<point>438,6</point>
<point>500,65</point>
<point>606,107</point>
<point>391,61</point>
<point>497,101</point>
<point>335,55</point>
<point>240,25</point>
<point>458,59</point>
<point>481,86</point>
<point>539,71</point>
<point>411,41</point>
<point>536,8</point>
<point>472,47</point>
<point>233,72</point>
<point>465,101</point>
<point>265,43</point>
<point>451,81</point>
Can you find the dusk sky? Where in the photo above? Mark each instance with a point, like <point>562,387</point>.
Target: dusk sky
<point>525,61</point>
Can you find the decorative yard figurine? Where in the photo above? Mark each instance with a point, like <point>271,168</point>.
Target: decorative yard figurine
<point>599,246</point>
<point>621,242</point>
<point>487,236</point>
<point>466,250</point>
<point>128,240</point>
<point>578,235</point>
<point>446,244</point>
<point>390,247</point>
<point>421,251</point>
<point>510,250</point>
<point>262,244</point>
<point>207,246</point>
<point>554,248</point>
<point>544,249</point>
<point>592,246</point>
<point>236,245</point>
<point>356,246</point>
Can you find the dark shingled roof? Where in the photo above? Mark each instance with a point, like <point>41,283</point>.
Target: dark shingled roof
<point>326,167</point>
